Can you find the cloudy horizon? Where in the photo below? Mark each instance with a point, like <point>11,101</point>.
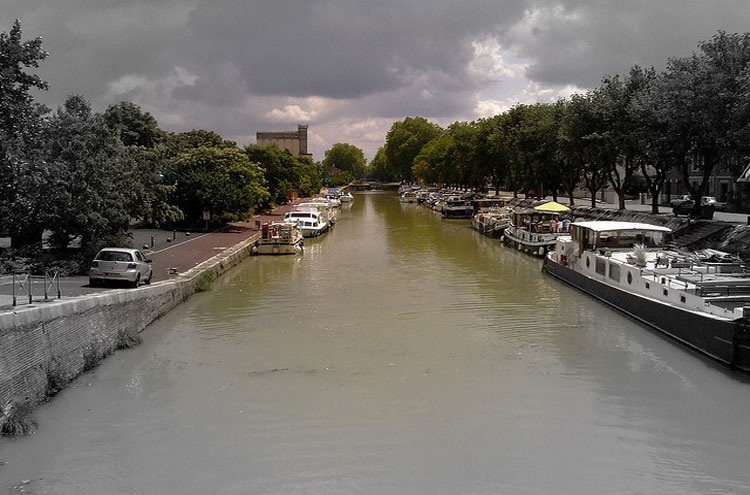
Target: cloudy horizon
<point>349,69</point>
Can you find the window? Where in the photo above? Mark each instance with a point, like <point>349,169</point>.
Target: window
<point>666,292</point>
<point>601,266</point>
<point>614,271</point>
<point>648,286</point>
<point>630,278</point>
<point>588,262</point>
<point>682,298</point>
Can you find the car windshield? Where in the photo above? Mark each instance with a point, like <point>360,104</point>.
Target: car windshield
<point>114,256</point>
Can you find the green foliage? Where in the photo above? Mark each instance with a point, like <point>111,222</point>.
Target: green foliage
<point>284,172</point>
<point>378,167</point>
<point>197,138</point>
<point>220,180</point>
<point>343,179</point>
<point>403,143</point>
<point>345,157</point>
<point>205,281</point>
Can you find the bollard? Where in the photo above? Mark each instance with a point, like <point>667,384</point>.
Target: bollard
<point>174,235</point>
<point>152,241</point>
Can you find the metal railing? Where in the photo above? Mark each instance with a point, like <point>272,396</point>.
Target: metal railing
<point>23,286</point>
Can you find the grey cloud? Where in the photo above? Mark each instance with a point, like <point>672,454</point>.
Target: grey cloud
<point>579,41</point>
<point>225,64</point>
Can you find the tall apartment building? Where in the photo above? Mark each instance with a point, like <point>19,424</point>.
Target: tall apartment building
<point>295,142</point>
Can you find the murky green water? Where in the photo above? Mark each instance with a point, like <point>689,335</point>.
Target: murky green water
<point>400,354</point>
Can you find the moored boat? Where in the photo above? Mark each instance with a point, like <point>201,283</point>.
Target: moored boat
<point>491,221</point>
<point>279,238</point>
<point>699,299</point>
<point>535,230</point>
<point>346,197</point>
<point>311,221</point>
<point>457,207</point>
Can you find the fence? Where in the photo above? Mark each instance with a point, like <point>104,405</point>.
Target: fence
<point>23,286</point>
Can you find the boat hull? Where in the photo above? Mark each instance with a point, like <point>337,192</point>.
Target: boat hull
<point>722,340</point>
<point>536,248</point>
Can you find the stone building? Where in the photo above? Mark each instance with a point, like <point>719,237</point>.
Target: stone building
<point>295,142</point>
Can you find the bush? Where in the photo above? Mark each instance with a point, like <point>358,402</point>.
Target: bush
<point>16,420</point>
<point>204,281</point>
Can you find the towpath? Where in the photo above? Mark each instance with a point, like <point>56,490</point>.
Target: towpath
<point>182,255</point>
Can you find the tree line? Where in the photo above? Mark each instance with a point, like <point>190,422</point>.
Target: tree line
<point>629,133</point>
<point>87,175</point>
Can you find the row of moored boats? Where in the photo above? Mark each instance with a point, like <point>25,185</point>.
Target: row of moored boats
<point>700,298</point>
<point>307,219</point>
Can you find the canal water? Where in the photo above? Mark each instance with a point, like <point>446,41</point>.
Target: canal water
<point>401,354</point>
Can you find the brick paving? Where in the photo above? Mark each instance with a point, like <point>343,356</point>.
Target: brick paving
<point>186,255</point>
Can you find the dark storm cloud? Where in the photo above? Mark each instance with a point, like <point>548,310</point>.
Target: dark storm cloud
<point>343,49</point>
<point>579,41</point>
<point>240,66</point>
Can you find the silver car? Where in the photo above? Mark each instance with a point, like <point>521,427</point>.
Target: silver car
<point>121,265</point>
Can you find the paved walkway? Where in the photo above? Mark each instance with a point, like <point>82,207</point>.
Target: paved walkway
<point>187,253</point>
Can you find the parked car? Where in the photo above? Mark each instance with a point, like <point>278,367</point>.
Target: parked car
<point>710,200</point>
<point>120,265</point>
<point>686,208</point>
<point>682,199</point>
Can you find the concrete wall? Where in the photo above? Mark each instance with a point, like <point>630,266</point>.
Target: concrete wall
<point>53,343</point>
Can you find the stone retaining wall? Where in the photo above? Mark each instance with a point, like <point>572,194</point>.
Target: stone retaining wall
<point>45,347</point>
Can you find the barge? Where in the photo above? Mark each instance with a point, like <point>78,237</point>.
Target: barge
<point>699,299</point>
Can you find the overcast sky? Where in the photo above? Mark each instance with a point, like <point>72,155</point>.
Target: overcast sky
<point>349,69</point>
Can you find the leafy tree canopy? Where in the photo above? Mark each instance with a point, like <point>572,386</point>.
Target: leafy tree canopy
<point>345,157</point>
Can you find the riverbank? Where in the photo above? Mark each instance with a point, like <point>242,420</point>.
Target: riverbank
<point>43,347</point>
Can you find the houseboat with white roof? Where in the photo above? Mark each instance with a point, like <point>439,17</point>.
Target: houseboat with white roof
<point>700,299</point>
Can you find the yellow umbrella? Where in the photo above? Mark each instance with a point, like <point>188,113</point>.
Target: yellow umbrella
<point>552,206</point>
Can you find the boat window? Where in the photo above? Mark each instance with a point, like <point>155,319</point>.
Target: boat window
<point>682,298</point>
<point>588,262</point>
<point>648,286</point>
<point>666,292</point>
<point>614,271</point>
<point>601,266</point>
<point>630,278</point>
<point>626,239</point>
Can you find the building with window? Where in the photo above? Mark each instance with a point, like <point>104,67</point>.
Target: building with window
<point>295,142</point>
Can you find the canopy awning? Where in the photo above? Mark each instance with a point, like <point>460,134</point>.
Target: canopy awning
<point>552,206</point>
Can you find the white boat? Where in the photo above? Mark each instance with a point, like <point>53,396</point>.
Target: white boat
<point>279,238</point>
<point>328,210</point>
<point>346,197</point>
<point>408,197</point>
<point>701,299</point>
<point>310,221</point>
<point>491,221</point>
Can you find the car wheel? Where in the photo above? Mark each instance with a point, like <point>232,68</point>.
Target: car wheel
<point>150,276</point>
<point>137,280</point>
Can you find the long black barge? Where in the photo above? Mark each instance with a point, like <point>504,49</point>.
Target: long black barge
<point>726,341</point>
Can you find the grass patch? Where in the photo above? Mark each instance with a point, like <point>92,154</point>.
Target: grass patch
<point>16,420</point>
<point>126,341</point>
<point>205,281</point>
<point>56,381</point>
<point>95,352</point>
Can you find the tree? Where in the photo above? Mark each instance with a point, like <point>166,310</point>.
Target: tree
<point>345,157</point>
<point>184,141</point>
<point>404,141</point>
<point>23,171</point>
<point>284,172</point>
<point>584,145</point>
<point>220,180</point>
<point>95,199</point>
<point>135,127</point>
<point>378,167</point>
<point>434,164</point>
